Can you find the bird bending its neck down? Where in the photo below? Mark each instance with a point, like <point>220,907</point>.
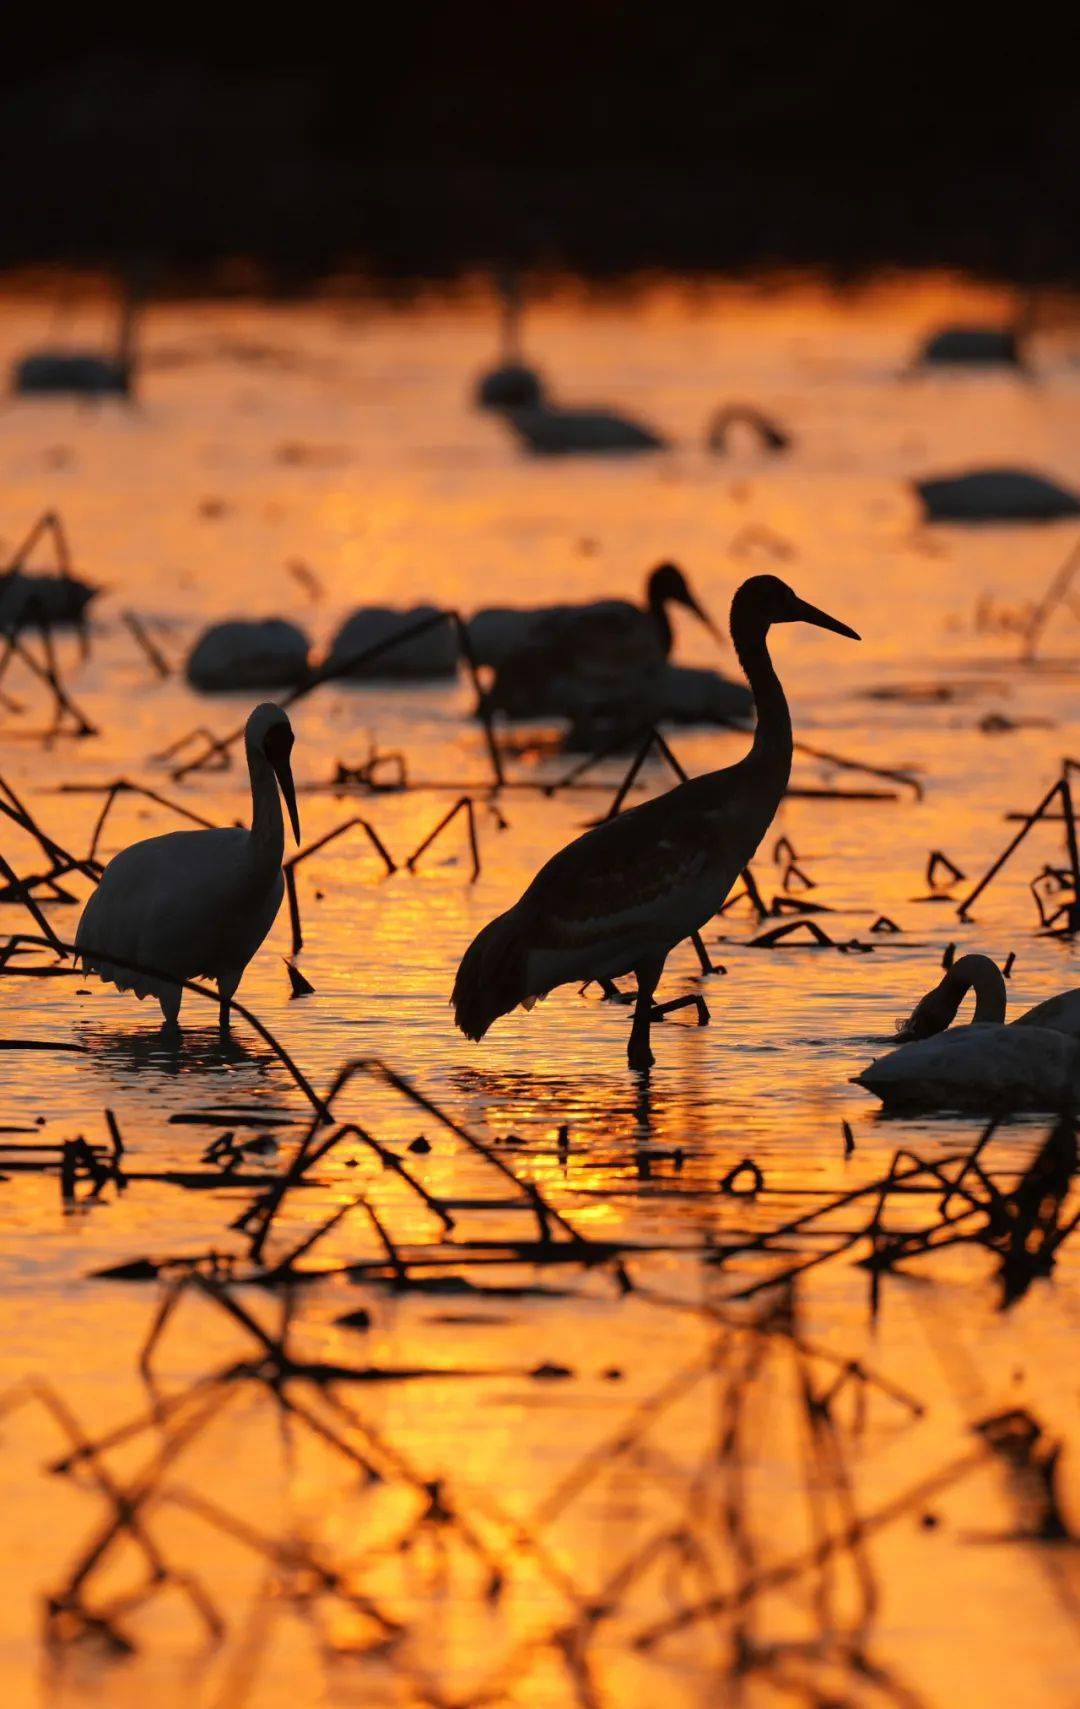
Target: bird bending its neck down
<point>617,899</point>
<point>934,1012</point>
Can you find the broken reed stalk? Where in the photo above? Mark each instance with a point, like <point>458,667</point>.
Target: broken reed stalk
<point>1061,791</point>
<point>48,522</point>
<point>124,786</point>
<point>263,1211</point>
<point>30,905</point>
<point>14,809</point>
<point>218,747</point>
<point>158,662</point>
<point>845,764</point>
<point>302,855</point>
<point>1060,584</point>
<point>297,1075</point>
<point>49,675</point>
<point>466,804</point>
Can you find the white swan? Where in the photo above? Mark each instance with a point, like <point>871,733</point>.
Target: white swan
<point>986,1067</point>
<point>996,495</point>
<point>197,903</point>
<point>243,654</point>
<point>432,653</point>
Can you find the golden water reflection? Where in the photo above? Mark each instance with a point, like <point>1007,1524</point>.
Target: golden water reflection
<point>665,1466</point>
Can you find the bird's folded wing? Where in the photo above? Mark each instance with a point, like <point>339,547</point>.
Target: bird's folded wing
<point>595,901</point>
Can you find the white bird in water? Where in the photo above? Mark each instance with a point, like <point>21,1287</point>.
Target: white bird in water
<point>618,899</point>
<point>197,903</point>
<point>996,495</point>
<point>245,653</point>
<point>936,1011</point>
<point>990,1068</point>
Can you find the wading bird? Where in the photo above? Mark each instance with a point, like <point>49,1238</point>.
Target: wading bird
<point>935,1012</point>
<point>618,899</point>
<point>197,903</point>
<point>606,668</point>
<point>511,384</point>
<point>83,373</point>
<point>610,639</point>
<point>498,631</point>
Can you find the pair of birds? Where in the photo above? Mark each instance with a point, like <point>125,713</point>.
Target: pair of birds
<point>614,901</point>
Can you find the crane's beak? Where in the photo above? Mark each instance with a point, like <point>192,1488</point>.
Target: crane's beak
<point>803,613</point>
<point>283,773</point>
<point>703,617</point>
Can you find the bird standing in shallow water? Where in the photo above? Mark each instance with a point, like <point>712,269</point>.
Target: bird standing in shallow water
<point>197,903</point>
<point>619,898</point>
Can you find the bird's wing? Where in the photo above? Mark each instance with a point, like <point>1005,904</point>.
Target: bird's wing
<point>171,903</point>
<point>619,870</point>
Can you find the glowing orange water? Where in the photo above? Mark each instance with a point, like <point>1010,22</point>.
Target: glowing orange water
<point>342,437</point>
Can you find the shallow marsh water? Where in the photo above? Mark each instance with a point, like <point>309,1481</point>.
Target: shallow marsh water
<point>594,1461</point>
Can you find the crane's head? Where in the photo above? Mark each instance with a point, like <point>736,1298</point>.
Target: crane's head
<point>667,584</point>
<point>270,733</point>
<point>764,600</point>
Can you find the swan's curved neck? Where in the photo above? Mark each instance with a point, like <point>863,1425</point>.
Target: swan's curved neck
<point>979,974</point>
<point>267,824</point>
<point>772,735</point>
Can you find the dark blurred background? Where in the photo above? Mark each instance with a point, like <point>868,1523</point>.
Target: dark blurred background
<point>421,142</point>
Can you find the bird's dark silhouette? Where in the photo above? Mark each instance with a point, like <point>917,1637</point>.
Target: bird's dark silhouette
<point>618,899</point>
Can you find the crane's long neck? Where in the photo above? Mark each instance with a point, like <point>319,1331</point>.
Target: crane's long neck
<point>267,824</point>
<point>658,613</point>
<point>979,974</point>
<point>772,735</point>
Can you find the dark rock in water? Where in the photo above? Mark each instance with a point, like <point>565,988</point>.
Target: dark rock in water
<point>27,598</point>
<point>434,653</point>
<point>243,655</point>
<point>973,347</point>
<point>512,385</point>
<point>553,431</point>
<point>996,495</point>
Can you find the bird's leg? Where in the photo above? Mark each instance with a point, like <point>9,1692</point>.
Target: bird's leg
<point>226,987</point>
<point>648,978</point>
<point>170,1000</point>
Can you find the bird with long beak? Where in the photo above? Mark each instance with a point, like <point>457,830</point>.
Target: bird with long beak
<point>197,903</point>
<point>572,655</point>
<point>619,898</point>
